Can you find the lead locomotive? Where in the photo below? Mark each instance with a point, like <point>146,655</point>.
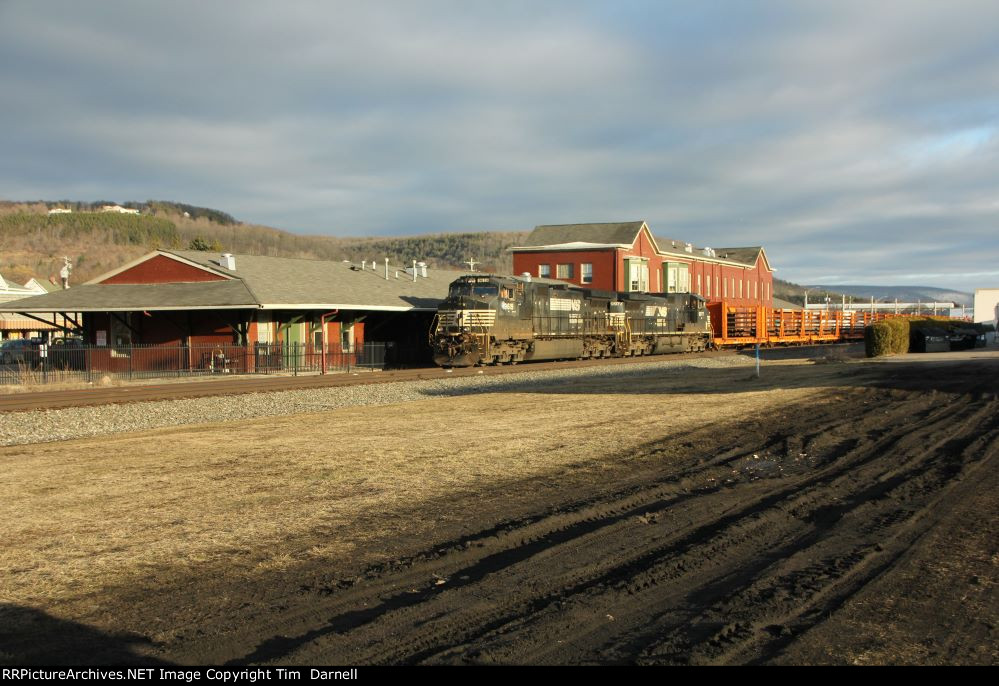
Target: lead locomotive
<point>491,319</point>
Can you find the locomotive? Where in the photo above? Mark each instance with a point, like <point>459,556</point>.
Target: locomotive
<point>489,319</point>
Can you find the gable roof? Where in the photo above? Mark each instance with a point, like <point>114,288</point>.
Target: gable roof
<point>257,282</point>
<point>287,281</point>
<point>623,235</point>
<point>603,235</point>
<point>42,284</point>
<point>745,255</point>
<point>132,297</point>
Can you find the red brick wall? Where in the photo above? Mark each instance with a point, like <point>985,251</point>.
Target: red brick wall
<point>602,261</point>
<point>608,272</point>
<point>757,283</point>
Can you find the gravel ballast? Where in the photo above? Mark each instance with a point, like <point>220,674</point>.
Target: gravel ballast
<point>40,426</point>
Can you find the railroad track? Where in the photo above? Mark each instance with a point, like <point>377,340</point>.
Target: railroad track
<point>52,400</point>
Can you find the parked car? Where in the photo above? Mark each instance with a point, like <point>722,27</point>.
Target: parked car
<point>67,353</point>
<point>20,351</point>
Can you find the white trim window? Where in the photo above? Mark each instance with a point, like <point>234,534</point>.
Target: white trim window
<point>636,271</point>
<point>347,337</point>
<point>586,272</point>
<point>265,330</point>
<point>544,271</point>
<point>677,277</point>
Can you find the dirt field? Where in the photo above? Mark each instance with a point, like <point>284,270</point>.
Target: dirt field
<point>838,512</point>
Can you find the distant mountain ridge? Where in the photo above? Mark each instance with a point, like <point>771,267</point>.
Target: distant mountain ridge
<point>903,293</point>
<point>33,242</point>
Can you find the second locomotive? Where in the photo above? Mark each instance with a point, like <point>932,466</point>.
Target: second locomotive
<point>489,319</point>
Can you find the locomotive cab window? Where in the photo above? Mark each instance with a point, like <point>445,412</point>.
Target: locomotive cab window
<point>479,288</point>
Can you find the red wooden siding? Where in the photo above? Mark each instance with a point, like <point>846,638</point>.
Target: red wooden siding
<point>162,269</point>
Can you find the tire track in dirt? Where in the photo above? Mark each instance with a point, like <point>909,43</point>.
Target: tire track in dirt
<point>605,652</point>
<point>505,592</point>
<point>754,622</point>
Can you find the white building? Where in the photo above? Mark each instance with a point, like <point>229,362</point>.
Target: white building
<point>986,302</point>
<point>119,209</point>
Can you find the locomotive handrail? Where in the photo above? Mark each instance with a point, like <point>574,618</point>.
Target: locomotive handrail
<point>434,324</point>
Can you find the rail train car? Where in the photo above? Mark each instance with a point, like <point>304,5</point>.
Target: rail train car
<point>489,319</point>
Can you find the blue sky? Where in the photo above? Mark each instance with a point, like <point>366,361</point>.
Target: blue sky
<point>858,142</point>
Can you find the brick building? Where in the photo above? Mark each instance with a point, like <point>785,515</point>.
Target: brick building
<point>626,256</point>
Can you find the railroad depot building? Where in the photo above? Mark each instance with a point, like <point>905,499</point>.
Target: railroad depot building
<point>193,298</point>
<point>626,256</point>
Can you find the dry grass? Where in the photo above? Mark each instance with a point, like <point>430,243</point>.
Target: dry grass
<point>84,517</point>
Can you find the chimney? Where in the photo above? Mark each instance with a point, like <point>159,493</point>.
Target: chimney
<point>228,261</point>
<point>422,267</point>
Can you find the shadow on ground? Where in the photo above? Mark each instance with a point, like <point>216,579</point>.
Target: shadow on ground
<point>33,637</point>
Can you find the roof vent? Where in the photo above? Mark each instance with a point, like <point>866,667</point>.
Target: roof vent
<point>526,276</point>
<point>418,269</point>
<point>689,247</point>
<point>228,261</point>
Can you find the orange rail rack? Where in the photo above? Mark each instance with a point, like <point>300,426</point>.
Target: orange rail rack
<point>766,326</point>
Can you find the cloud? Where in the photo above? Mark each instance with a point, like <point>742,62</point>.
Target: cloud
<point>848,141</point>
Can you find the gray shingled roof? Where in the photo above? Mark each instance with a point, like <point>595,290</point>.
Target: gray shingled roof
<point>272,282</point>
<point>122,297</point>
<point>618,233</point>
<point>744,255</point>
<point>623,233</point>
<point>741,255</point>
<point>288,281</point>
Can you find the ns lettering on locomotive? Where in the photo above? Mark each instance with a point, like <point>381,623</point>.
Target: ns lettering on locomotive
<point>488,319</point>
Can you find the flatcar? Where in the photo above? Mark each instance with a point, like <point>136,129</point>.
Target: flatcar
<point>490,319</point>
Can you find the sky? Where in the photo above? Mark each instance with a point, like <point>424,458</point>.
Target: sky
<point>858,142</point>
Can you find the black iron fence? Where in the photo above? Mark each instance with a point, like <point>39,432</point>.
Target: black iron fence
<point>46,364</point>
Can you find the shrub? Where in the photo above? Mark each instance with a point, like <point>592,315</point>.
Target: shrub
<point>888,337</point>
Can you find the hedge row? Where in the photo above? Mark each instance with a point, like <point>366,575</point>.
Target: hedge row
<point>888,337</point>
<point>895,336</point>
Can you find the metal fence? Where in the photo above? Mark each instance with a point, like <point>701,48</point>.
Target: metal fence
<point>49,364</point>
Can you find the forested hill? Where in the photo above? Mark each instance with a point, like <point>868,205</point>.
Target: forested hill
<point>33,243</point>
